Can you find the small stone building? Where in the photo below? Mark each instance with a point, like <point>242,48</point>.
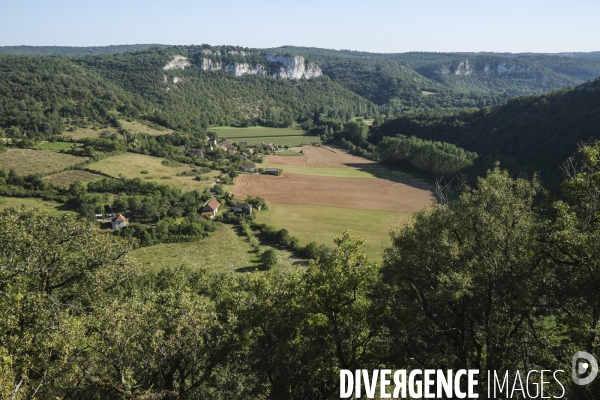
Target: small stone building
<point>119,222</point>
<point>211,208</point>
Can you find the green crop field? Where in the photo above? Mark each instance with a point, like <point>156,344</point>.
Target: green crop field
<point>319,171</point>
<point>319,224</point>
<point>258,134</point>
<point>27,161</point>
<point>51,207</point>
<point>374,172</point>
<point>131,165</point>
<point>223,251</point>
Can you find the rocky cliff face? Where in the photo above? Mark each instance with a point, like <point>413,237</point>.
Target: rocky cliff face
<point>178,62</point>
<point>592,86</point>
<point>464,68</point>
<point>280,66</point>
<point>458,68</point>
<point>505,68</point>
<point>293,67</point>
<point>236,69</point>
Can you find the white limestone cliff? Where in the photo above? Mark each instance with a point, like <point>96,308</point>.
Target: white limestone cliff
<point>178,62</point>
<point>290,67</point>
<point>293,67</point>
<point>460,68</point>
<point>245,69</point>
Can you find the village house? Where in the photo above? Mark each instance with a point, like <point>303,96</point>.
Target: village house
<point>119,222</point>
<point>272,171</point>
<point>251,151</point>
<point>231,151</point>
<point>244,156</point>
<point>271,147</point>
<point>245,144</point>
<point>210,209</point>
<point>248,167</point>
<point>242,208</point>
<point>195,153</point>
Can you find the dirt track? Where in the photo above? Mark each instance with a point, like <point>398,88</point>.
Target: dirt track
<point>361,193</point>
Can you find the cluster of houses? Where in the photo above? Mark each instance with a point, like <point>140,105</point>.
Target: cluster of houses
<point>210,210</point>
<point>232,150</point>
<point>251,167</point>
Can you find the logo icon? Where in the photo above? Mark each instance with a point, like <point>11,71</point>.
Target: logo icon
<point>580,368</point>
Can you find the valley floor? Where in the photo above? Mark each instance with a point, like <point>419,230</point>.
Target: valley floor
<point>328,190</point>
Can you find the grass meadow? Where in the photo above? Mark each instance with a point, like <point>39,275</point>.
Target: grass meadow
<point>65,178</point>
<point>222,252</point>
<point>319,171</point>
<point>85,133</point>
<point>131,165</point>
<point>51,207</point>
<point>319,224</point>
<point>28,161</point>
<point>257,134</point>
<point>139,127</point>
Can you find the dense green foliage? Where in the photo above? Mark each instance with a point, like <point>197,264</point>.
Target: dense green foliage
<point>527,134</point>
<point>437,158</point>
<point>492,280</point>
<point>38,93</point>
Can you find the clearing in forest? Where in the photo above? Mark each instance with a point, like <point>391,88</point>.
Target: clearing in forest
<point>139,127</point>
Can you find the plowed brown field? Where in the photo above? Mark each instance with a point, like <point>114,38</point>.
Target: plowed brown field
<point>361,193</point>
<point>325,156</point>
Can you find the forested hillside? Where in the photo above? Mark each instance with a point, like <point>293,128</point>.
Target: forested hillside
<point>36,91</point>
<point>74,51</point>
<point>429,80</point>
<point>397,81</point>
<point>527,134</point>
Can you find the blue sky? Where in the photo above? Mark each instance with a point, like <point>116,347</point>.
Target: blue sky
<point>376,25</point>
